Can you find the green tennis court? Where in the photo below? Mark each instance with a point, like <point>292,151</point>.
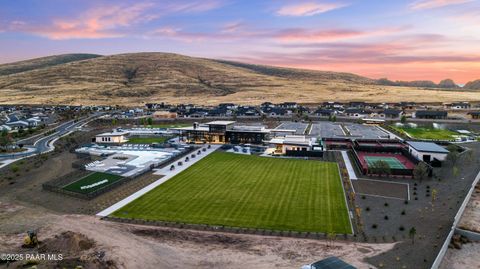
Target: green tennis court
<point>393,162</point>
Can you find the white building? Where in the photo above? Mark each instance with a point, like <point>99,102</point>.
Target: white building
<point>115,137</point>
<point>427,151</point>
<point>284,145</point>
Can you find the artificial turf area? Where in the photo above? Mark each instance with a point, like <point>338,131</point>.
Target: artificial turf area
<point>427,133</point>
<point>252,192</point>
<point>147,140</point>
<point>92,179</point>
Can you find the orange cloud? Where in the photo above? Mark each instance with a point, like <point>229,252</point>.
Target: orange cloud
<point>429,4</point>
<point>308,9</point>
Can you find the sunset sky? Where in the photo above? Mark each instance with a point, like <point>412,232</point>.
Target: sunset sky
<point>401,40</point>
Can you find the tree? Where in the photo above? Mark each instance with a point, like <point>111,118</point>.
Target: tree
<point>142,121</point>
<point>452,157</point>
<point>5,140</point>
<point>150,121</point>
<point>403,119</point>
<point>434,195</point>
<point>114,121</point>
<point>412,234</point>
<point>381,167</point>
<point>420,171</point>
<point>334,118</point>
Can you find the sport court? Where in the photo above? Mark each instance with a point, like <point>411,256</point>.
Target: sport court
<point>394,161</point>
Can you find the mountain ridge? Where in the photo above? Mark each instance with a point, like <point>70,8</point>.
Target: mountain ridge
<point>133,78</point>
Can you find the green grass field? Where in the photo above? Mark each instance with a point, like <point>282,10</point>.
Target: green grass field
<point>251,192</point>
<point>91,179</point>
<point>147,140</point>
<point>426,133</point>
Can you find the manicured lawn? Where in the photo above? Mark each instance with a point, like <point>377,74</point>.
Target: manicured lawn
<point>92,179</point>
<point>249,191</point>
<point>427,133</point>
<point>147,140</point>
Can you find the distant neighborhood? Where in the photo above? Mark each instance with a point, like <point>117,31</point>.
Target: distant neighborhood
<point>14,118</point>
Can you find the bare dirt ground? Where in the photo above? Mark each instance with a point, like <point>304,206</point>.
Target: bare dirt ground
<point>465,258</point>
<point>381,188</point>
<point>88,241</point>
<point>471,217</point>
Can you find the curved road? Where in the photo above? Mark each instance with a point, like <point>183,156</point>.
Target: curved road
<point>45,143</point>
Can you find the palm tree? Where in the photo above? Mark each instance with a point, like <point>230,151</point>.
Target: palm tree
<point>412,234</point>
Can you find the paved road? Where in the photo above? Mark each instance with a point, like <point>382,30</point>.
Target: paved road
<point>44,143</point>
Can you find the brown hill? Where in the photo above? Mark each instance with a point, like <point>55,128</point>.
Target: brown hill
<point>134,79</point>
<point>473,85</point>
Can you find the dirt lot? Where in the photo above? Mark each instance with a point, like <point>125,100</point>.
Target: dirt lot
<point>87,241</point>
<point>381,188</point>
<point>465,258</point>
<point>471,217</point>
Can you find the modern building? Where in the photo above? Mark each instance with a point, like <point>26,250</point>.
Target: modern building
<point>297,145</point>
<point>427,151</point>
<point>220,132</point>
<point>115,137</point>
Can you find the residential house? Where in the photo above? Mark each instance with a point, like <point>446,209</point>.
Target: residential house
<point>390,114</point>
<point>356,113</point>
<point>475,115</point>
<point>321,112</point>
<point>430,114</point>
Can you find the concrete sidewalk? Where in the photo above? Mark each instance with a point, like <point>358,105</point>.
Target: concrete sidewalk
<point>167,174</point>
<point>348,165</point>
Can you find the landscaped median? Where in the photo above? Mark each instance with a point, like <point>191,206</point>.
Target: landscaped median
<point>249,192</point>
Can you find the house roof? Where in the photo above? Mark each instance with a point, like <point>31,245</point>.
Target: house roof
<point>427,147</point>
<point>114,133</point>
<point>220,122</point>
<point>332,263</point>
<point>431,113</point>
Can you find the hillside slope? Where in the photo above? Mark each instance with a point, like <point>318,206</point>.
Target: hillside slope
<point>23,66</point>
<point>138,78</point>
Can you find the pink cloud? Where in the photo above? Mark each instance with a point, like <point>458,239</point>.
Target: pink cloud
<point>308,8</point>
<point>306,35</point>
<point>429,4</point>
<point>110,21</point>
<point>99,22</point>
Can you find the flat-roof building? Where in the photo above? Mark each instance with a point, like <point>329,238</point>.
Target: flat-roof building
<point>427,151</point>
<point>115,137</point>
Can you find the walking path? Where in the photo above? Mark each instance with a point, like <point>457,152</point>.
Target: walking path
<point>167,174</point>
<point>348,165</point>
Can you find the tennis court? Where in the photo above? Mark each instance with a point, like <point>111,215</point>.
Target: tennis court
<point>393,162</point>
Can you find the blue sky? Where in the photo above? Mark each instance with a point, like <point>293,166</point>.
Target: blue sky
<point>407,40</point>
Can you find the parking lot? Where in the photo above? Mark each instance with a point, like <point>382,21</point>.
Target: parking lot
<point>327,130</point>
<point>365,131</point>
<point>299,127</point>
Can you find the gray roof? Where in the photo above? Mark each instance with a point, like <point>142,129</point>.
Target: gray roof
<point>427,147</point>
<point>332,263</point>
